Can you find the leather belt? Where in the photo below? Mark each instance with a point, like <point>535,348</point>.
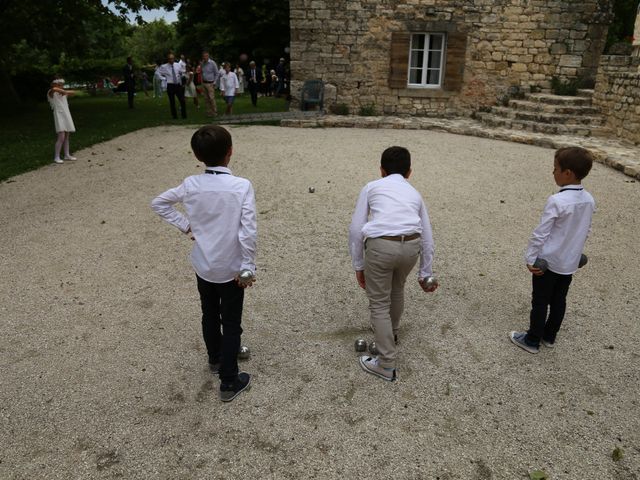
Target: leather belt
<point>402,238</point>
<point>207,81</point>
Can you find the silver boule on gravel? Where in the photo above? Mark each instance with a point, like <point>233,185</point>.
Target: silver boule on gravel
<point>312,189</point>
<point>360,345</point>
<point>244,353</point>
<point>246,277</point>
<point>373,348</point>
<point>429,282</point>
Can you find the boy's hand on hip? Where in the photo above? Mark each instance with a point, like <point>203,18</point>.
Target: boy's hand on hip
<point>360,278</point>
<point>536,271</point>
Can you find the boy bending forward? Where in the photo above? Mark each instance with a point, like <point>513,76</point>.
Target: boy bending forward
<point>390,229</point>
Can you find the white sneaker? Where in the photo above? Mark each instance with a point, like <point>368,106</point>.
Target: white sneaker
<point>69,157</point>
<point>58,160</point>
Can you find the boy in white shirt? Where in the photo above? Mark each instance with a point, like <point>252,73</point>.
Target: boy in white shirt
<point>221,219</point>
<point>229,87</point>
<point>558,240</point>
<point>389,230</point>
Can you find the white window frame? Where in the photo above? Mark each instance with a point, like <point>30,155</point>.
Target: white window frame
<point>425,60</point>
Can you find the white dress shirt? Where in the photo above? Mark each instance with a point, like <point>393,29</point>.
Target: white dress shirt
<point>229,84</point>
<point>167,70</point>
<point>210,71</point>
<point>391,207</point>
<point>563,230</point>
<point>221,213</point>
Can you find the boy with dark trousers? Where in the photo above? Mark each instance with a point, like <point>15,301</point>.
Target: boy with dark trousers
<point>221,219</point>
<point>558,240</point>
<point>390,230</point>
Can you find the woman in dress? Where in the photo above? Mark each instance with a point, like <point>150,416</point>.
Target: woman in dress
<point>190,87</point>
<point>240,75</point>
<point>57,97</point>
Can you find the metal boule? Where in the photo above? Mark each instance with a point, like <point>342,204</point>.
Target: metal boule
<point>312,189</point>
<point>246,277</point>
<point>541,264</point>
<point>430,282</point>
<point>373,348</point>
<point>360,345</point>
<point>583,261</point>
<point>244,353</point>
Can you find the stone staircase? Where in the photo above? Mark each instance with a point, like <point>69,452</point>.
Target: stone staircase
<point>548,113</point>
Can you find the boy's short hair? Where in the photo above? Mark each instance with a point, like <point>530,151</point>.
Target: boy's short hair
<point>577,159</point>
<point>396,160</point>
<point>210,144</point>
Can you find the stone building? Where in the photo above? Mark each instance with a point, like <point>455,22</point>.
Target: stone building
<point>443,57</point>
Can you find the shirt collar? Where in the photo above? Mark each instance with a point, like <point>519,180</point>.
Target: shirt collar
<point>219,169</point>
<point>572,187</point>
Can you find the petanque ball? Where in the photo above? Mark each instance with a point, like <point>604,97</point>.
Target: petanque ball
<point>360,345</point>
<point>541,263</point>
<point>244,353</point>
<point>373,348</point>
<point>312,189</point>
<point>430,282</point>
<point>583,261</point>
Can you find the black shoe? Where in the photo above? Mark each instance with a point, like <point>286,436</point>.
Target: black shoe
<point>229,391</point>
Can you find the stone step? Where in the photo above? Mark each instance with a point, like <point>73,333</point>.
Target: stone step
<point>528,106</point>
<point>545,117</point>
<point>557,99</point>
<point>493,120</point>
<point>585,92</point>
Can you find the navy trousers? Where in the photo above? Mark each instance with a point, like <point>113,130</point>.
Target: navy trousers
<point>548,304</point>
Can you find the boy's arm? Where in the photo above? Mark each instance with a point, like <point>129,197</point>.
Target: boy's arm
<point>426,255</point>
<point>541,232</point>
<point>356,238</point>
<point>164,203</point>
<point>248,231</point>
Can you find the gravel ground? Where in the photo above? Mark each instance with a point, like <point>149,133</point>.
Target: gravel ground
<point>104,373</point>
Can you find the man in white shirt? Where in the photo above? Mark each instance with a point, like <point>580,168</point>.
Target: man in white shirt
<point>221,219</point>
<point>210,74</point>
<point>389,230</point>
<point>229,87</point>
<point>173,73</point>
<point>558,240</point>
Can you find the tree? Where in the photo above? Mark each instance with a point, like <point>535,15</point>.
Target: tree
<point>259,28</point>
<point>624,17</point>
<point>43,35</point>
<point>151,41</point>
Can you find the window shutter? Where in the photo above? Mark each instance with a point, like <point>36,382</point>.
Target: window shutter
<point>399,60</point>
<point>454,69</point>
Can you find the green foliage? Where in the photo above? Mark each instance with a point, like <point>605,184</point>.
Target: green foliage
<point>28,133</point>
<point>340,109</point>
<point>259,28</point>
<point>367,110</point>
<point>151,41</point>
<point>567,88</point>
<point>538,475</point>
<point>621,29</point>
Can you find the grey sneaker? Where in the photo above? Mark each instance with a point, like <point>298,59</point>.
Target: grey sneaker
<point>371,365</point>
<point>518,338</point>
<point>547,343</point>
<point>231,390</point>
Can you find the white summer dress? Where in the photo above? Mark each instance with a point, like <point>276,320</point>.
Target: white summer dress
<point>61,113</point>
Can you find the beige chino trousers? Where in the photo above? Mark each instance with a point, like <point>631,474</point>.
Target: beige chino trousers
<point>387,264</point>
<point>210,98</point>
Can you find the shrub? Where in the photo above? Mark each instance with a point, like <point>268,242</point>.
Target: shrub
<point>367,110</point>
<point>567,88</point>
<point>340,109</point>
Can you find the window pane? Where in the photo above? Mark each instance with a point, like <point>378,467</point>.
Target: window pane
<point>415,75</point>
<point>417,57</point>
<point>434,60</point>
<point>433,77</point>
<point>417,42</point>
<point>435,42</point>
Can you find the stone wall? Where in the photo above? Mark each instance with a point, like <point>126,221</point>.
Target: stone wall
<point>617,95</point>
<point>505,44</point>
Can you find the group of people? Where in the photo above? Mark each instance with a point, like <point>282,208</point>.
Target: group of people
<point>186,79</point>
<point>390,230</point>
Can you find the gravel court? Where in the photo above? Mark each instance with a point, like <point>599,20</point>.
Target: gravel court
<point>104,372</point>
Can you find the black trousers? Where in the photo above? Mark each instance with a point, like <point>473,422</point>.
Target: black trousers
<point>173,91</point>
<point>548,304</point>
<point>221,324</point>
<point>253,90</point>
<point>131,90</point>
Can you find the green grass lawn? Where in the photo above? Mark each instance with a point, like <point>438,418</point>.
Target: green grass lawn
<point>29,135</point>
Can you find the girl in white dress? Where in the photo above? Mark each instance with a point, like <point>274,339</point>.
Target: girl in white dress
<point>190,90</point>
<point>57,97</point>
<point>240,75</point>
